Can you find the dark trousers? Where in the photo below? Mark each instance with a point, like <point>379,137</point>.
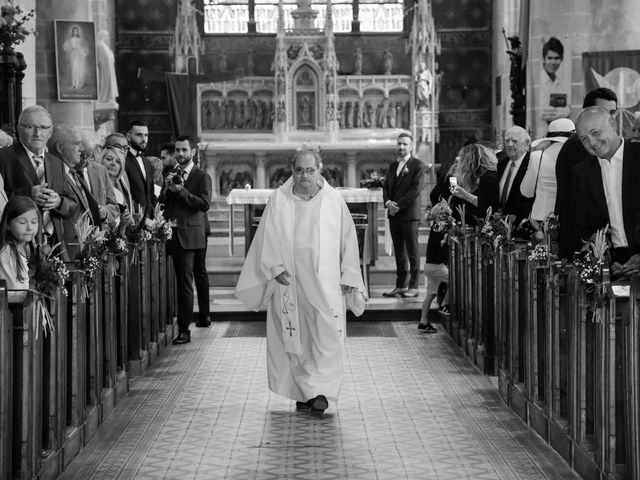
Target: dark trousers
<point>183,265</point>
<point>405,244</point>
<point>201,278</point>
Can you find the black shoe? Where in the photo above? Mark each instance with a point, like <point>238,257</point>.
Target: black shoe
<point>318,405</point>
<point>203,322</point>
<point>426,328</point>
<point>302,406</point>
<point>183,337</point>
<point>410,293</point>
<point>396,292</point>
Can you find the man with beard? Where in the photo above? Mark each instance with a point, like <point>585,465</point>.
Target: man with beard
<point>139,170</point>
<point>401,193</point>
<point>186,194</point>
<point>168,157</point>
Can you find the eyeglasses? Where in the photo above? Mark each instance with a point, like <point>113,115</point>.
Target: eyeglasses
<point>33,128</point>
<point>309,171</point>
<point>116,146</point>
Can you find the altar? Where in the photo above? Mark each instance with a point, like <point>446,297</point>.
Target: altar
<point>361,202</point>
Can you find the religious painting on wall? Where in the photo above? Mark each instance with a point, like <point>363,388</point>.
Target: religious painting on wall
<point>305,110</point>
<point>76,71</point>
<point>620,72</point>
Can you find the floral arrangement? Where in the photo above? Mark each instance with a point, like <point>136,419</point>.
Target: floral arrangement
<point>12,29</point>
<point>589,265</point>
<point>48,270</point>
<point>161,230</point>
<point>497,229</point>
<point>375,179</point>
<point>546,247</point>
<point>115,243</point>
<point>139,233</point>
<point>91,240</point>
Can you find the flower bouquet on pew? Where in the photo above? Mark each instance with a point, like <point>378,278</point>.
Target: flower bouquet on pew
<point>91,241</point>
<point>161,230</point>
<point>497,229</point>
<point>545,246</point>
<point>589,264</point>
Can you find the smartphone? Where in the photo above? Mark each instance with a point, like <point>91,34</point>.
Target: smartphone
<point>453,182</point>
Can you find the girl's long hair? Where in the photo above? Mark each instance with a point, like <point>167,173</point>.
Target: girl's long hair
<point>16,206</point>
<point>472,162</point>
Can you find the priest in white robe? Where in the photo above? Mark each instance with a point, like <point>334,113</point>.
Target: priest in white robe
<point>303,267</point>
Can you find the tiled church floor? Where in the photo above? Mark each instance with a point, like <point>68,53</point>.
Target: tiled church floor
<point>411,407</point>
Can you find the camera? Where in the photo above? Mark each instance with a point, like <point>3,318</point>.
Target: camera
<point>177,179</point>
<point>453,182</point>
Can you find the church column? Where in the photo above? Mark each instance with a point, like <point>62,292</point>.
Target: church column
<point>251,24</point>
<point>352,161</point>
<point>261,174</point>
<point>211,168</point>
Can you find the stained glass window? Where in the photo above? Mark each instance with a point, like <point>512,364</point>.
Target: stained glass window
<point>381,15</point>
<point>267,14</point>
<point>226,16</point>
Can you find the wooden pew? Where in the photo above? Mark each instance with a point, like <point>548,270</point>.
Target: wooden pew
<point>6,363</point>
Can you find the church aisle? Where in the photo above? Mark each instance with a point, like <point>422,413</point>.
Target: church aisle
<point>412,407</point>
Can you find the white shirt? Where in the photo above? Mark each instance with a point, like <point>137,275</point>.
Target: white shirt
<point>503,179</point>
<point>612,183</point>
<point>33,156</point>
<point>138,158</point>
<point>401,164</point>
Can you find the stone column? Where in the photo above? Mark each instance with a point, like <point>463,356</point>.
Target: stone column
<point>261,174</point>
<point>211,168</point>
<point>352,161</point>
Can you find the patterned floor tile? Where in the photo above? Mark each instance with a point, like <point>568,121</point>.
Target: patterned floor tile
<point>411,408</point>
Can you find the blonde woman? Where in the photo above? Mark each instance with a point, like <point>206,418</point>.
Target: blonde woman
<point>112,158</point>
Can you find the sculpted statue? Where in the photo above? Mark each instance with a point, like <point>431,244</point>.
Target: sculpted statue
<point>348,115</point>
<point>405,115</point>
<point>380,115</point>
<point>367,114</point>
<point>260,114</point>
<point>107,81</point>
<point>388,61</point>
<point>222,117</point>
<point>341,115</point>
<point>240,115</point>
<point>222,60</point>
<point>282,114</point>
<point>358,62</point>
<point>271,115</point>
<point>231,114</point>
<point>390,115</point>
<point>424,86</point>
<point>251,114</point>
<point>398,114</point>
<point>330,114</point>
<point>357,115</point>
<point>251,62</point>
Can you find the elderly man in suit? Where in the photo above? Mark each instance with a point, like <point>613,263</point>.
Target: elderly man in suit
<point>511,171</point>
<point>186,194</point>
<point>29,169</point>
<point>139,170</point>
<point>100,186</point>
<point>401,194</point>
<point>605,188</point>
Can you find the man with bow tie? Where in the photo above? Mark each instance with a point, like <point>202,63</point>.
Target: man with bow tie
<point>401,193</point>
<point>185,195</point>
<point>29,169</point>
<point>139,170</point>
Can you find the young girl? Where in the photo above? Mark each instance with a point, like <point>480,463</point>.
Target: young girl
<point>19,226</point>
<point>435,268</point>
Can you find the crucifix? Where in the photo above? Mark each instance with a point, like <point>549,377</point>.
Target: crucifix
<point>290,328</point>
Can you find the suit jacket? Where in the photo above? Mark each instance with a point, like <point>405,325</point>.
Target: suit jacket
<point>405,189</point>
<point>102,190</point>
<point>141,187</point>
<point>516,204</point>
<point>588,201</point>
<point>186,208</point>
<point>20,177</point>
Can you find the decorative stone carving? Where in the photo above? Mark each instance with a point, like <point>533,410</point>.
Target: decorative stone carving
<point>358,62</point>
<point>251,62</point>
<point>388,61</point>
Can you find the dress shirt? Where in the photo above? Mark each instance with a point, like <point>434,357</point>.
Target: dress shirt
<point>612,183</point>
<point>85,175</point>
<point>401,163</point>
<point>33,157</point>
<point>138,158</point>
<point>503,179</point>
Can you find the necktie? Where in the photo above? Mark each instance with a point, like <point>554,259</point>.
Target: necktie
<point>505,187</point>
<point>141,165</point>
<point>46,215</point>
<point>89,200</point>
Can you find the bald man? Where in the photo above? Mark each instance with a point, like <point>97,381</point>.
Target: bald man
<point>605,188</point>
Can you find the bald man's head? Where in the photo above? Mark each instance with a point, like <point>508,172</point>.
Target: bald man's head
<point>596,129</point>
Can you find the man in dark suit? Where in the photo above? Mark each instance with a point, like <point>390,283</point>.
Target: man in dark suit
<point>511,170</point>
<point>28,169</point>
<point>605,188</point>
<point>571,154</point>
<point>186,195</point>
<point>139,170</point>
<point>401,194</point>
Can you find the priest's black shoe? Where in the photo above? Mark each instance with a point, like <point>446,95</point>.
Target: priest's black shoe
<point>396,292</point>
<point>302,406</point>
<point>318,405</point>
<point>412,292</point>
<point>183,337</point>
<point>203,322</point>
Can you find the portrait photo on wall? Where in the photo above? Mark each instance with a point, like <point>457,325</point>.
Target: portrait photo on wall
<point>76,60</point>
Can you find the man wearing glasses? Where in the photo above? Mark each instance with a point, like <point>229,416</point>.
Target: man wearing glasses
<point>303,267</point>
<point>29,169</point>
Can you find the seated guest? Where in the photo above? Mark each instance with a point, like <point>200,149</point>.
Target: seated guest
<point>511,170</point>
<point>477,182</point>
<point>28,169</point>
<point>112,158</point>
<point>605,188</point>
<point>20,226</point>
<point>540,180</point>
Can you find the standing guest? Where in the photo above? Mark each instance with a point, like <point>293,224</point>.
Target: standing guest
<point>28,169</point>
<point>112,158</point>
<point>20,226</point>
<point>303,267</point>
<point>605,188</point>
<point>571,154</point>
<point>186,193</point>
<point>66,144</point>
<point>168,157</point>
<point>635,128</point>
<point>476,184</point>
<point>158,177</point>
<point>97,179</point>
<point>511,170</point>
<point>117,140</point>
<point>201,276</point>
<point>139,170</point>
<point>540,180</point>
<point>401,193</point>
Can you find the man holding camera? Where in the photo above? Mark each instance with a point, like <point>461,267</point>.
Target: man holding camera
<point>185,195</point>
